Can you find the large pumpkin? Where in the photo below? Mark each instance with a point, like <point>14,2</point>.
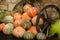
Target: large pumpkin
<point>33,30</point>
<point>17,22</point>
<point>28,35</point>
<point>18,31</point>
<point>8,29</point>
<point>2,26</point>
<point>27,7</point>
<point>41,21</point>
<point>32,11</point>
<point>8,19</point>
<point>25,16</point>
<point>17,16</point>
<point>26,24</point>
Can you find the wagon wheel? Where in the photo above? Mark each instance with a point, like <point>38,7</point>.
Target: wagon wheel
<point>48,17</point>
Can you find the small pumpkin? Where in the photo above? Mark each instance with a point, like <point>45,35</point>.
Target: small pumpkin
<point>25,16</point>
<point>26,24</point>
<point>17,22</point>
<point>27,7</point>
<point>18,32</point>
<point>41,21</point>
<point>32,11</point>
<point>17,16</point>
<point>8,29</point>
<point>33,30</point>
<point>8,19</point>
<point>2,26</point>
<point>41,36</point>
<point>28,35</point>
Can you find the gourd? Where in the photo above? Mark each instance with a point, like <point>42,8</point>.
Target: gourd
<point>25,16</point>
<point>32,12</point>
<point>25,24</point>
<point>41,36</point>
<point>17,16</point>
<point>28,35</point>
<point>18,32</point>
<point>8,19</point>
<point>17,22</point>
<point>27,7</point>
<point>2,25</point>
<point>41,21</point>
<point>33,30</point>
<point>8,29</point>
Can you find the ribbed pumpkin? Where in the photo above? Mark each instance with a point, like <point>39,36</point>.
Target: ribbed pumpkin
<point>17,22</point>
<point>28,35</point>
<point>8,29</point>
<point>27,7</point>
<point>41,21</point>
<point>2,26</point>
<point>17,16</point>
<point>18,32</point>
<point>33,30</point>
<point>41,36</point>
<point>8,19</point>
<point>32,11</point>
<point>26,24</point>
<point>25,16</point>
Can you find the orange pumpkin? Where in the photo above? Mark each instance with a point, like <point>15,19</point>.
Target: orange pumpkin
<point>17,16</point>
<point>27,7</point>
<point>33,30</point>
<point>41,21</point>
<point>17,22</point>
<point>2,26</point>
<point>25,17</point>
<point>32,12</point>
<point>18,31</point>
<point>34,20</point>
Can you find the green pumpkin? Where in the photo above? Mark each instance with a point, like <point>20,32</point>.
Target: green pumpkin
<point>28,35</point>
<point>26,24</point>
<point>8,19</point>
<point>41,36</point>
<point>8,29</point>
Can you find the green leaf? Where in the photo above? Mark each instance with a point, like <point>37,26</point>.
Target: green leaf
<point>55,28</point>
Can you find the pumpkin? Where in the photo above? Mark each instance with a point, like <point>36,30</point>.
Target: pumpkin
<point>2,26</point>
<point>33,30</point>
<point>8,29</point>
<point>27,7</point>
<point>8,19</point>
<point>41,36</point>
<point>17,22</point>
<point>28,35</point>
<point>25,17</point>
<point>41,21</point>
<point>17,16</point>
<point>25,24</point>
<point>32,12</point>
<point>18,32</point>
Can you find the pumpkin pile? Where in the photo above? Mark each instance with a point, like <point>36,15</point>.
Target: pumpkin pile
<point>22,24</point>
